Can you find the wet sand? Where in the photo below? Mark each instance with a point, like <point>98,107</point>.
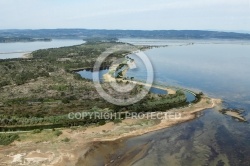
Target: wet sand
<point>100,150</point>
<point>93,145</point>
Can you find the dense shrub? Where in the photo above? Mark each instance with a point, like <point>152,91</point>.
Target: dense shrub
<point>4,83</point>
<point>66,139</point>
<point>6,139</point>
<point>117,121</point>
<point>58,132</point>
<point>102,122</point>
<point>36,131</point>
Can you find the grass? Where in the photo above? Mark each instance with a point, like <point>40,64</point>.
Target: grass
<point>66,139</point>
<point>58,133</point>
<point>6,139</point>
<point>36,131</point>
<point>43,136</point>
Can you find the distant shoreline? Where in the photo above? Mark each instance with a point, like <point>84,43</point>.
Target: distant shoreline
<point>20,39</point>
<point>14,52</point>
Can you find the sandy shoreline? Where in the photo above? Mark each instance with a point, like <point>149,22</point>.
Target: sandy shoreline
<point>39,150</point>
<point>108,78</point>
<point>26,55</point>
<point>83,139</point>
<point>188,113</point>
<point>90,145</point>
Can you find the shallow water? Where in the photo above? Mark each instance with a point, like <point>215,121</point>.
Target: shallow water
<point>89,74</point>
<point>219,70</point>
<point>158,91</point>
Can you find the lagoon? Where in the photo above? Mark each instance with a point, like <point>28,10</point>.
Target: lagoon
<point>220,70</point>
<point>18,49</point>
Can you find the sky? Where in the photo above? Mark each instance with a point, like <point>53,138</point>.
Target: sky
<point>227,15</point>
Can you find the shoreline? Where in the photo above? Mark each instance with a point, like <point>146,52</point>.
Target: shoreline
<point>108,78</point>
<point>27,55</point>
<point>188,114</point>
<point>84,140</point>
<point>83,154</point>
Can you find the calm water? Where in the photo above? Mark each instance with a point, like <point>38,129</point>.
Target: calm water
<point>175,42</point>
<point>89,74</point>
<point>7,49</point>
<point>219,70</point>
<point>159,42</point>
<point>158,91</point>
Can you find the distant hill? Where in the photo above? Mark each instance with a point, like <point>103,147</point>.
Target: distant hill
<point>21,39</point>
<point>89,33</point>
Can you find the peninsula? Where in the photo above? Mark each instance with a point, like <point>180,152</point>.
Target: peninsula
<point>38,93</point>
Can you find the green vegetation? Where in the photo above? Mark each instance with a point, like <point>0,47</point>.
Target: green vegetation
<point>58,133</point>
<point>66,139</point>
<point>22,71</point>
<point>155,102</point>
<point>102,122</point>
<point>36,131</point>
<point>6,139</point>
<point>116,121</point>
<point>38,93</point>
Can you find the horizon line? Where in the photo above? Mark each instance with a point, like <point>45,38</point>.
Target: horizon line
<point>233,31</point>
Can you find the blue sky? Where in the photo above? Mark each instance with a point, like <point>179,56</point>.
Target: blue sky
<point>228,15</point>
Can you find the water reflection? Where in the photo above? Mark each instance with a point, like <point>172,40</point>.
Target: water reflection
<point>214,139</point>
<point>220,70</point>
<point>7,50</point>
<point>89,74</point>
